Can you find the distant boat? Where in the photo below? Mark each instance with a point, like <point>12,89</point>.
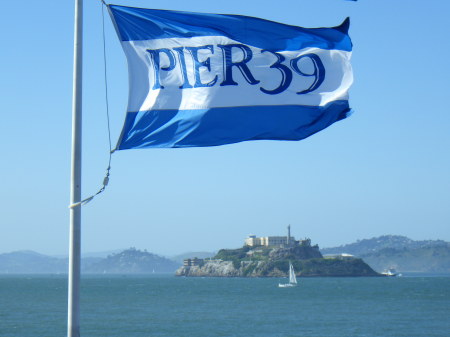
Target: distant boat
<point>390,272</point>
<point>292,278</point>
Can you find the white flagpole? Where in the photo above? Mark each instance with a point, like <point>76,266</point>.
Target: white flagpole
<point>73,314</point>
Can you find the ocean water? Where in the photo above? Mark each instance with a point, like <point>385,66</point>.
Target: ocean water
<point>166,306</point>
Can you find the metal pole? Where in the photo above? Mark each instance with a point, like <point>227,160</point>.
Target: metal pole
<point>73,313</point>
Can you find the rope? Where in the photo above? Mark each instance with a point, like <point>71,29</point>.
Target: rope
<point>111,151</point>
<point>106,82</point>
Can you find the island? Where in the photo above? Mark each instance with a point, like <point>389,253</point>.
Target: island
<point>270,256</point>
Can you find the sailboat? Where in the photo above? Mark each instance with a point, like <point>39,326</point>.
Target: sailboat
<point>292,278</point>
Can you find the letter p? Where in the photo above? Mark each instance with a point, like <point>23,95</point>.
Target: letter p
<point>155,55</point>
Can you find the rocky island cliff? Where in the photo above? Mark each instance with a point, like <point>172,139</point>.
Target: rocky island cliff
<point>274,262</point>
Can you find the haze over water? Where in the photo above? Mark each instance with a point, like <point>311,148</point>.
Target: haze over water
<point>166,306</point>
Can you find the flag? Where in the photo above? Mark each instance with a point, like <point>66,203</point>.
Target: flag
<point>199,79</point>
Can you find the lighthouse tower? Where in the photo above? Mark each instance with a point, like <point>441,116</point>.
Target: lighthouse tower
<point>288,236</point>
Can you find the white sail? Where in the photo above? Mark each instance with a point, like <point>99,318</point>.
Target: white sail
<point>292,278</point>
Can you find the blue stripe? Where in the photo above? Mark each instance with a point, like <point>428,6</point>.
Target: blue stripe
<point>219,126</point>
<point>134,24</point>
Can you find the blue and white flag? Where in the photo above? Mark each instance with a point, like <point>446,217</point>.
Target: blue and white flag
<point>211,79</point>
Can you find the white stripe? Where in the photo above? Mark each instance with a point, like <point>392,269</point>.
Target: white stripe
<point>335,86</point>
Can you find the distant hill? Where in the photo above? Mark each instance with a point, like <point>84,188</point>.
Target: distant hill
<point>30,262</point>
<point>104,254</point>
<point>399,252</point>
<point>428,259</point>
<point>367,246</point>
<point>133,261</point>
<point>127,261</point>
<point>201,255</point>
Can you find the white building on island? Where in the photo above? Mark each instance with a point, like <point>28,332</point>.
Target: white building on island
<point>267,241</point>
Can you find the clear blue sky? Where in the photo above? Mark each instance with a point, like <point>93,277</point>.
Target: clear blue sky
<point>384,170</point>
